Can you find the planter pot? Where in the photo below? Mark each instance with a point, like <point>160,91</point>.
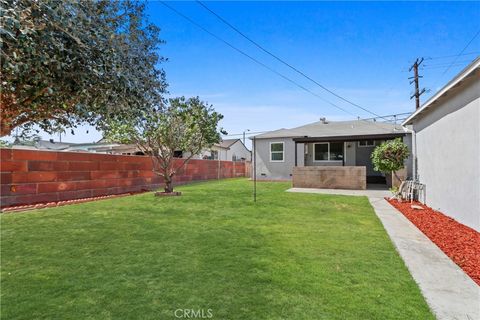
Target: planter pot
<point>167,194</point>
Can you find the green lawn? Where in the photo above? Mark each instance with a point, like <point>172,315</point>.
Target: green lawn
<point>289,256</point>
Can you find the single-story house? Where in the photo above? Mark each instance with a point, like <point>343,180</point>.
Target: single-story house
<point>329,154</point>
<point>237,151</point>
<point>446,146</point>
<point>97,147</point>
<point>226,150</point>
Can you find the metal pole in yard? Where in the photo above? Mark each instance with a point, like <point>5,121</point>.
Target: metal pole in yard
<point>254,170</point>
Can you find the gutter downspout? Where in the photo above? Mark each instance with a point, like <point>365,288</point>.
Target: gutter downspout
<point>414,151</point>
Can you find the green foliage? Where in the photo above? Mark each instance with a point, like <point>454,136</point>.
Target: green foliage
<point>390,156</point>
<point>70,62</point>
<point>288,256</point>
<point>5,144</point>
<point>393,190</point>
<point>188,125</point>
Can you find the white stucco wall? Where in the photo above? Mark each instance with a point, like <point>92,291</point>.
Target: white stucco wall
<point>222,154</point>
<point>239,150</point>
<point>448,153</point>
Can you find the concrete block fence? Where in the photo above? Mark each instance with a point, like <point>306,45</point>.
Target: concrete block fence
<point>30,177</point>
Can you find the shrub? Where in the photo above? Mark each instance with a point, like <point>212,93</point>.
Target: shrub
<point>390,156</point>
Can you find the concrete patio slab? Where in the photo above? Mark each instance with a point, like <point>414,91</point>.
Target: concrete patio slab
<point>449,292</point>
<point>346,192</point>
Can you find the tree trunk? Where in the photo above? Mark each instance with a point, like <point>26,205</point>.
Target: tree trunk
<point>168,184</point>
<point>396,176</point>
<point>5,129</point>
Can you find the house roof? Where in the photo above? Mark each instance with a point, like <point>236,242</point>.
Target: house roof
<point>227,143</point>
<point>470,70</point>
<point>66,146</point>
<point>43,144</point>
<point>321,129</point>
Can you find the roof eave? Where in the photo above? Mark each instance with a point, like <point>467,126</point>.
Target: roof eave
<point>351,137</point>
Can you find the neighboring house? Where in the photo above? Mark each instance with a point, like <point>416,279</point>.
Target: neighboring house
<point>236,150</point>
<point>321,149</point>
<point>226,150</point>
<point>97,147</point>
<point>216,152</point>
<point>446,145</point>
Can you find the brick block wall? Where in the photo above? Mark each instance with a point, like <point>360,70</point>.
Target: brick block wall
<point>29,177</point>
<point>330,177</point>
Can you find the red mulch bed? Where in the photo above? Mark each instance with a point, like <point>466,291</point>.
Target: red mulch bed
<point>459,242</point>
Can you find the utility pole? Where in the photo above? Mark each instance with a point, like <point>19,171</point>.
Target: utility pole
<point>245,131</point>
<point>415,78</point>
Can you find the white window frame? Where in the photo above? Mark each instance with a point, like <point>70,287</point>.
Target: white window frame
<point>366,145</point>
<point>328,148</point>
<point>283,151</point>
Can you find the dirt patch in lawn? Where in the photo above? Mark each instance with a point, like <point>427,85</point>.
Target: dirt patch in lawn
<point>459,242</point>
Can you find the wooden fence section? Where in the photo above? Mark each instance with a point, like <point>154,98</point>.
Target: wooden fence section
<point>29,176</point>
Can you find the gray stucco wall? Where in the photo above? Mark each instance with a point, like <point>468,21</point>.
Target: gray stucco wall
<point>448,154</point>
<point>276,170</point>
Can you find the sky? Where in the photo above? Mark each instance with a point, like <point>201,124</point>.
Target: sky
<point>360,50</point>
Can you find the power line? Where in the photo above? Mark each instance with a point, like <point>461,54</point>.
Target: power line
<point>444,64</point>
<point>284,62</point>
<point>441,67</point>
<point>461,52</point>
<point>254,60</point>
<point>452,56</point>
<point>265,66</point>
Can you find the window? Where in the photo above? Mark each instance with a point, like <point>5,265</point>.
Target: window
<point>320,151</point>
<point>336,151</point>
<point>276,151</point>
<point>328,151</point>
<point>366,143</point>
<point>214,154</point>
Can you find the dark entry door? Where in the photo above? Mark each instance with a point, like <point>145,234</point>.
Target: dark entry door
<point>362,158</point>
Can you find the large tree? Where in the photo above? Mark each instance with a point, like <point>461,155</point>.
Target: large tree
<point>188,125</point>
<point>72,62</point>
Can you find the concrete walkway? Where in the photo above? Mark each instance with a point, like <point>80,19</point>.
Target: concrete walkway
<point>450,293</point>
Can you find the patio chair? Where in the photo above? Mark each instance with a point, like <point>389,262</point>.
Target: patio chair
<point>411,190</point>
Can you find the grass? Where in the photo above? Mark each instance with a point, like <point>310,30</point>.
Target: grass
<point>289,256</point>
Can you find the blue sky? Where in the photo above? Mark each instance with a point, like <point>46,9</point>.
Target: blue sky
<point>360,50</point>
